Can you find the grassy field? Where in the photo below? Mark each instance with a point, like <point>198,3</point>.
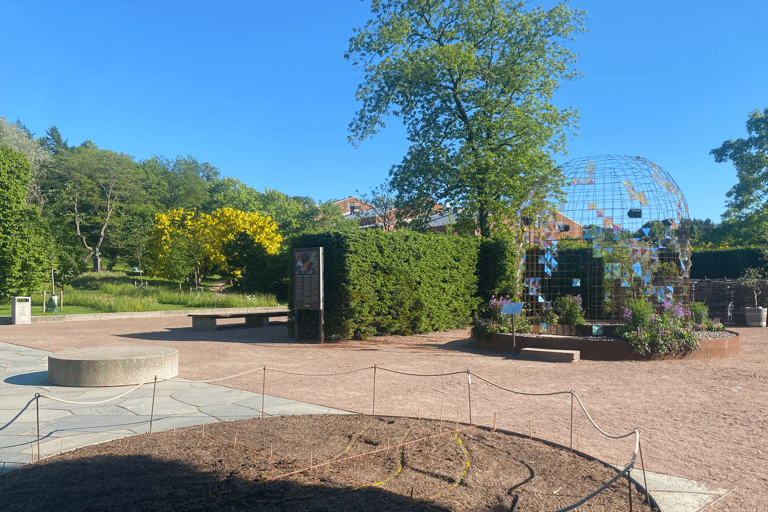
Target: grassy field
<point>117,292</point>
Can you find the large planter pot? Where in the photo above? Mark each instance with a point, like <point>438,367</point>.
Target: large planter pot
<point>756,317</point>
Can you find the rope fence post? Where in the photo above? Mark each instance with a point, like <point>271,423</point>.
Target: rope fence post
<point>152,410</point>
<point>263,390</point>
<point>373,411</point>
<point>571,421</point>
<point>645,481</point>
<point>469,395</point>
<point>37,407</point>
<point>629,488</point>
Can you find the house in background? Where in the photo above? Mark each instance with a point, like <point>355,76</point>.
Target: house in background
<point>352,204</point>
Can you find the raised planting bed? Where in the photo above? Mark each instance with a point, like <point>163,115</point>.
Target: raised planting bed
<point>605,348</point>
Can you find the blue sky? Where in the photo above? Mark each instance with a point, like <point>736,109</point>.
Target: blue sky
<point>261,89</point>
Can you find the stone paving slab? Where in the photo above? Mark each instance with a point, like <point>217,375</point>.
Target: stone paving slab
<point>66,426</point>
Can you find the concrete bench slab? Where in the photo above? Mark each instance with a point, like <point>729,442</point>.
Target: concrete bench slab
<point>548,354</point>
<point>207,321</point>
<point>112,366</point>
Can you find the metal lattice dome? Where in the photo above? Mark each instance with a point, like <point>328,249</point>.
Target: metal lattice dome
<point>627,226</point>
<point>624,191</point>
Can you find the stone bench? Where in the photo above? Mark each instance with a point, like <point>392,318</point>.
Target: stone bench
<point>550,354</point>
<point>207,321</point>
<point>112,366</point>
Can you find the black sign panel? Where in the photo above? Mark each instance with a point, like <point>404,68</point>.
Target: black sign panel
<point>308,278</point>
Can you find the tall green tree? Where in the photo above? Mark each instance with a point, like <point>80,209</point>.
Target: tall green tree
<point>749,197</point>
<point>18,137</point>
<point>53,142</point>
<point>90,188</point>
<point>23,244</point>
<point>473,81</point>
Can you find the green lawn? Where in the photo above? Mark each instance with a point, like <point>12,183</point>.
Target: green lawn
<point>118,291</point>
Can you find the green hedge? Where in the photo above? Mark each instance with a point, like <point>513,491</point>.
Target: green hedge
<point>724,263</point>
<point>496,268</point>
<point>378,283</point>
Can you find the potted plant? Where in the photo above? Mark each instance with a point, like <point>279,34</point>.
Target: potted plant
<point>753,278</point>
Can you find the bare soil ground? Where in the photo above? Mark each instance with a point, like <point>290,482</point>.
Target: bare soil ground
<point>705,420</point>
<point>318,463</point>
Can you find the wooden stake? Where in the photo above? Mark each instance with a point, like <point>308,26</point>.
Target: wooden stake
<point>418,412</point>
<point>571,447</point>
<point>235,443</point>
<point>32,448</point>
<point>270,452</point>
<point>264,381</point>
<point>642,464</point>
<point>373,407</point>
<point>494,423</point>
<point>203,436</point>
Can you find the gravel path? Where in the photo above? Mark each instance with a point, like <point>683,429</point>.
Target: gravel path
<point>706,420</point>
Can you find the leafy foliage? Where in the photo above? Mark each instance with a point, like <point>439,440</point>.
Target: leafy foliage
<point>667,331</point>
<point>749,197</point>
<point>17,137</point>
<point>472,81</point>
<point>22,237</point>
<point>379,282</point>
<point>724,263</point>
<point>569,310</point>
<point>190,244</point>
<point>752,278</point>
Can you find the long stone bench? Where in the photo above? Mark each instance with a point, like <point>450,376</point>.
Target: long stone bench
<point>207,321</point>
<point>549,354</point>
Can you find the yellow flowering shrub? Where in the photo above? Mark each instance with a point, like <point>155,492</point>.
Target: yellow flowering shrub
<point>190,242</point>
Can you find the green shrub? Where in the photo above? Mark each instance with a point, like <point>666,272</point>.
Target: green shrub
<point>699,312</point>
<point>658,333</point>
<point>569,309</point>
<point>378,282</point>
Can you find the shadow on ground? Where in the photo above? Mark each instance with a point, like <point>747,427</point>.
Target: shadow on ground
<point>145,482</point>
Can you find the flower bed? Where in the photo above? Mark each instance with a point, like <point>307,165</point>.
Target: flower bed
<point>606,348</point>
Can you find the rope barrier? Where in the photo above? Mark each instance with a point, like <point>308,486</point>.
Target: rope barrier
<point>92,403</point>
<point>303,374</point>
<point>469,373</point>
<point>463,372</point>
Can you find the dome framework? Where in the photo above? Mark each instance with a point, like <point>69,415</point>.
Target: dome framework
<point>618,230</point>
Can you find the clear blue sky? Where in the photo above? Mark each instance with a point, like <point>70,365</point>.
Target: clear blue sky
<point>261,89</point>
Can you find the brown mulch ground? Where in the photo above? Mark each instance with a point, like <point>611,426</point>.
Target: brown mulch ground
<point>705,420</point>
<point>318,463</point>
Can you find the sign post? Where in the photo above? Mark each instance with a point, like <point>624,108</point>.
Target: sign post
<point>512,308</point>
<point>308,284</point>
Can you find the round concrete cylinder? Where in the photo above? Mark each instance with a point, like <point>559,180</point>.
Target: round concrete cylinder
<point>112,366</point>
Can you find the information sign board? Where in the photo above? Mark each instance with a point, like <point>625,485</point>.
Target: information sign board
<point>512,308</point>
<point>308,278</point>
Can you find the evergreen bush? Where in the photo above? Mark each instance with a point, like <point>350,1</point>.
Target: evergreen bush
<point>378,283</point>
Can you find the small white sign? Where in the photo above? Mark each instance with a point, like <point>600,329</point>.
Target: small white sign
<point>512,308</point>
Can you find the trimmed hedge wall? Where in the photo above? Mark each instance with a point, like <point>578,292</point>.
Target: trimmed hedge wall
<point>724,263</point>
<point>378,283</point>
<point>496,268</point>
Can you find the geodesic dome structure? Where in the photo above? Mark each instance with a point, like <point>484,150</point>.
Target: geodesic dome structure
<point>619,230</point>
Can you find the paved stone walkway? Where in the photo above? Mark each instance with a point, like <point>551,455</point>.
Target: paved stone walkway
<point>65,426</point>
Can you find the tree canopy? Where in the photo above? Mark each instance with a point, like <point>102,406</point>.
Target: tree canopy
<point>22,238</point>
<point>473,81</point>
<point>187,244</point>
<point>749,197</point>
